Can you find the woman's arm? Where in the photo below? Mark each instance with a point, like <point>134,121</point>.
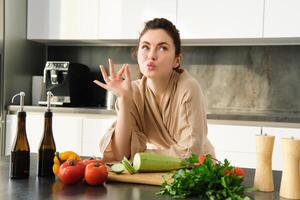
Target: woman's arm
<point>122,89</point>
<point>121,140</point>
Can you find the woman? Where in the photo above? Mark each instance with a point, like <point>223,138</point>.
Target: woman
<point>165,108</point>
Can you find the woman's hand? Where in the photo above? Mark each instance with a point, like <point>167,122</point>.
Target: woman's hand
<point>114,82</point>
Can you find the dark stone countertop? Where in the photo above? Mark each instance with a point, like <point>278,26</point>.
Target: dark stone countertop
<point>289,119</point>
<point>261,116</point>
<point>51,188</point>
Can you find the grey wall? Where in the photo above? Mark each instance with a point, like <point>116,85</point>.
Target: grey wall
<point>254,79</point>
<point>22,58</point>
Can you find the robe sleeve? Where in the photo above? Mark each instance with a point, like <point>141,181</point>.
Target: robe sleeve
<point>138,138</point>
<point>191,136</point>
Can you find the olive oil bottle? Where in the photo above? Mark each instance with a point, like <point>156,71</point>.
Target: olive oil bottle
<point>20,152</point>
<point>47,147</point>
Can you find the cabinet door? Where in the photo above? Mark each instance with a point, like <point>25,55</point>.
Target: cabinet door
<point>34,130</point>
<point>10,132</point>
<point>93,130</point>
<point>67,132</point>
<point>282,18</point>
<point>125,19</point>
<point>236,143</point>
<point>277,149</point>
<point>67,19</point>
<point>201,19</point>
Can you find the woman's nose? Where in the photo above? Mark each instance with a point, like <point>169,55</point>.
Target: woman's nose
<point>152,54</point>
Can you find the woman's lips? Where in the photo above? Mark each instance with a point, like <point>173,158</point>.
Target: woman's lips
<point>150,66</point>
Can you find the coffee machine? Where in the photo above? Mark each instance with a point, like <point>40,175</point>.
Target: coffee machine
<point>70,84</point>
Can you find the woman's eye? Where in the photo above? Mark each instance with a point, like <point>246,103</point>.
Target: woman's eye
<point>144,47</point>
<point>163,48</point>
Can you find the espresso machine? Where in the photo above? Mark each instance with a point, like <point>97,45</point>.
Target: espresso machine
<point>70,84</point>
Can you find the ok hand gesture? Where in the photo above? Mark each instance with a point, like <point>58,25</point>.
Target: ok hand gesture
<point>114,82</point>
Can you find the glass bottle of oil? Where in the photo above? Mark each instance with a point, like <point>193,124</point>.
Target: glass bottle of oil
<point>20,152</point>
<point>47,146</point>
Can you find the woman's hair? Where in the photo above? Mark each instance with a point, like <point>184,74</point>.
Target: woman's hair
<point>171,30</point>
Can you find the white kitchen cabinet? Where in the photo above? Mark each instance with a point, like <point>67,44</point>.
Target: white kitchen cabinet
<point>34,130</point>
<point>125,19</point>
<point>277,150</point>
<point>236,143</point>
<point>62,20</point>
<point>282,18</point>
<point>93,130</point>
<point>67,131</point>
<point>201,19</point>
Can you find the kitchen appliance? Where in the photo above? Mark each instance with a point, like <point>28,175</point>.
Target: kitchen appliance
<point>70,84</point>
<point>110,100</point>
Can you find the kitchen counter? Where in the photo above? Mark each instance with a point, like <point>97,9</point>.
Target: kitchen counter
<point>273,119</point>
<point>72,110</point>
<point>51,188</point>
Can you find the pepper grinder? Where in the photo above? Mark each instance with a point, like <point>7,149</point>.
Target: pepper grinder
<point>263,179</point>
<point>290,181</point>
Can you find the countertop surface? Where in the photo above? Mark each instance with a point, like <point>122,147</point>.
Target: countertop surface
<point>281,119</point>
<point>51,188</point>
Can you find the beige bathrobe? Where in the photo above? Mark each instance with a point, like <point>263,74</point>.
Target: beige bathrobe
<point>176,127</point>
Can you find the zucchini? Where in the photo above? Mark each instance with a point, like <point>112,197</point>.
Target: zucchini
<point>150,162</point>
<point>128,166</point>
<point>117,168</point>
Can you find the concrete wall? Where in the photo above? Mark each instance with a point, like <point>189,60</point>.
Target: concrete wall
<point>254,79</point>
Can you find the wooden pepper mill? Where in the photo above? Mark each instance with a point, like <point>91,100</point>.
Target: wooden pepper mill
<point>290,180</point>
<point>263,179</point>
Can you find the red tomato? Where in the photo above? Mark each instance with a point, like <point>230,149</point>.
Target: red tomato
<point>201,159</point>
<point>71,171</point>
<point>239,171</point>
<point>228,171</point>
<point>95,173</point>
<point>92,160</point>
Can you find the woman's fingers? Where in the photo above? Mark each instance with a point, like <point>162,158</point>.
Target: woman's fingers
<point>127,72</point>
<point>100,84</point>
<point>120,72</point>
<point>111,68</point>
<point>104,74</point>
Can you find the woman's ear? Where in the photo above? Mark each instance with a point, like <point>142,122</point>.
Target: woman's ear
<point>178,60</point>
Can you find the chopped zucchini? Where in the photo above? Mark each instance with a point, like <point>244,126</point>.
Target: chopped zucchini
<point>117,168</point>
<point>128,166</point>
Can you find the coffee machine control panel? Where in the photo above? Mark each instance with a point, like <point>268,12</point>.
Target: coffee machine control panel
<point>67,81</point>
<point>56,65</point>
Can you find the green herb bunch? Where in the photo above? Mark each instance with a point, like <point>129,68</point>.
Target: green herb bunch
<point>205,179</point>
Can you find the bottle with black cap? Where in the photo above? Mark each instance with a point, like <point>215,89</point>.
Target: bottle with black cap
<point>47,147</point>
<point>20,152</point>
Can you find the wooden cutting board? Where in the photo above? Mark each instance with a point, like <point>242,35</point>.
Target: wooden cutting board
<point>141,178</point>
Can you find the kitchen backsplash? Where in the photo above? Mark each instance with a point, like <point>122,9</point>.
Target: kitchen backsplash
<point>252,79</point>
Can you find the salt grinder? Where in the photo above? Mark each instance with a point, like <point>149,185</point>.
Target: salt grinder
<point>290,180</point>
<point>263,179</point>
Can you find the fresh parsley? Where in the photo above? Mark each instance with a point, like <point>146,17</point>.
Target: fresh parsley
<point>212,180</point>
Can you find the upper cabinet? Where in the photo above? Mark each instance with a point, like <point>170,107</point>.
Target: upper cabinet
<point>62,20</point>
<point>123,19</point>
<point>214,19</point>
<point>282,19</point>
<point>200,22</point>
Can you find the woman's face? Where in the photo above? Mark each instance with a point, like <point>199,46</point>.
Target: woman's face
<point>156,54</point>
